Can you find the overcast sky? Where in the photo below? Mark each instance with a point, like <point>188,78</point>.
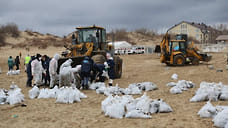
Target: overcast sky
<point>60,17</point>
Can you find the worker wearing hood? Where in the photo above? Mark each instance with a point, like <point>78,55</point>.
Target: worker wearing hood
<point>37,70</point>
<point>66,75</point>
<point>53,65</point>
<point>67,63</point>
<point>85,72</point>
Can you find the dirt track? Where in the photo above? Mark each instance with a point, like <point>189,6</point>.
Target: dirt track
<point>87,113</point>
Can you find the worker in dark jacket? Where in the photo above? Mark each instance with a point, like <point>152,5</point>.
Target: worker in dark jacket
<point>93,71</point>
<point>17,62</point>
<point>100,68</point>
<point>29,73</point>
<point>111,68</point>
<point>45,63</point>
<point>85,72</point>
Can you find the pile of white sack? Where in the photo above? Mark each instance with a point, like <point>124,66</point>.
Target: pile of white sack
<point>13,72</point>
<point>62,95</point>
<point>11,96</point>
<point>180,86</point>
<point>133,89</point>
<point>128,107</point>
<point>218,113</point>
<point>210,91</point>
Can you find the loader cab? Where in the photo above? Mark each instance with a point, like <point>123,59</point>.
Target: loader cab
<point>177,46</point>
<point>94,34</point>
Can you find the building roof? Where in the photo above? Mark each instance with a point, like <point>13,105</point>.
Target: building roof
<point>222,37</point>
<point>201,26</point>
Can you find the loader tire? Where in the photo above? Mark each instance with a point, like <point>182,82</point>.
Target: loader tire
<point>179,60</point>
<point>195,61</point>
<point>98,59</point>
<point>118,66</point>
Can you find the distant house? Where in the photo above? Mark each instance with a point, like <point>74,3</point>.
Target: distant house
<point>222,39</point>
<point>199,31</point>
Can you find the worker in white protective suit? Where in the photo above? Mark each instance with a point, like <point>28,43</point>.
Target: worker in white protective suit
<point>53,65</point>
<point>65,74</point>
<point>37,70</point>
<point>68,76</point>
<point>76,72</point>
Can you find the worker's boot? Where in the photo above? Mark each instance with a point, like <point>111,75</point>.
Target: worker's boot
<point>86,86</point>
<point>83,86</point>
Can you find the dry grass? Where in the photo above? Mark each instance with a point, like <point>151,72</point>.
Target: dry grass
<point>118,35</point>
<point>29,32</point>
<point>137,37</point>
<point>2,40</point>
<point>10,28</point>
<point>146,32</point>
<point>41,43</point>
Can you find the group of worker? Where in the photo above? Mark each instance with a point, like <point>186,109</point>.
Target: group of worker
<point>37,67</point>
<point>99,71</point>
<point>44,71</point>
<point>12,63</point>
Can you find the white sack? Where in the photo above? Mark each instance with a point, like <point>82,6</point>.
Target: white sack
<point>34,92</point>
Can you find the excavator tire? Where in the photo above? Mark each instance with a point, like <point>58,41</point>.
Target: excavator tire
<point>195,61</point>
<point>98,59</point>
<point>118,66</point>
<point>179,60</point>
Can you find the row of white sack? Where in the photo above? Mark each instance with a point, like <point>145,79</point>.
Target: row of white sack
<point>211,92</point>
<point>218,113</point>
<point>207,91</point>
<point>62,95</point>
<point>13,72</point>
<point>128,107</point>
<point>133,89</point>
<point>69,94</point>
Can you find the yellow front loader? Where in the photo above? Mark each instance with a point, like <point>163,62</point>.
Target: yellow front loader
<point>91,42</point>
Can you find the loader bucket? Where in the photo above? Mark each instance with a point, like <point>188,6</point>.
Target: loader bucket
<point>206,57</point>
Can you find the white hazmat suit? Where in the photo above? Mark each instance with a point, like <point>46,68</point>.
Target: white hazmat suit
<point>76,72</point>
<point>66,75</point>
<point>37,71</point>
<point>53,65</point>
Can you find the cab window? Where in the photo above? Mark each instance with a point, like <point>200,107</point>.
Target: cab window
<point>175,46</point>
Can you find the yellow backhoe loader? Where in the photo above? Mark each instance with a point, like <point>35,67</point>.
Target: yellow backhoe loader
<point>180,51</point>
